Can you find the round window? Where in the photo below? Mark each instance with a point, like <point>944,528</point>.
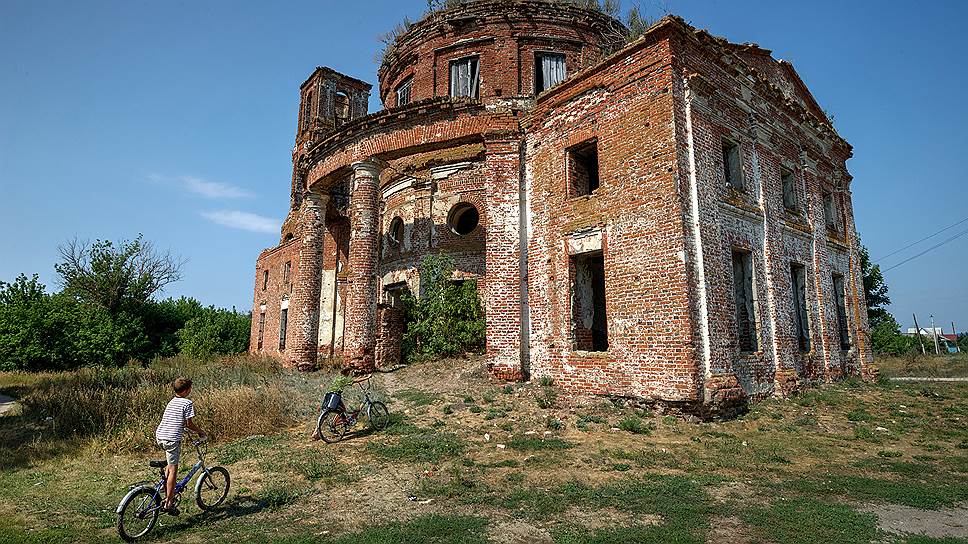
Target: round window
<point>396,230</point>
<point>463,218</point>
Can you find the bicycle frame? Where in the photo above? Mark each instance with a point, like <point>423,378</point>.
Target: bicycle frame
<point>179,485</point>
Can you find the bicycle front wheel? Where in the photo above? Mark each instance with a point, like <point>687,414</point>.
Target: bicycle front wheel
<point>378,416</point>
<point>331,426</point>
<point>138,513</point>
<point>212,488</point>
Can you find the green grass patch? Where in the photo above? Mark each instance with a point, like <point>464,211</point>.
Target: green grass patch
<point>807,521</point>
<point>436,529</point>
<point>635,425</point>
<point>416,397</point>
<point>421,447</point>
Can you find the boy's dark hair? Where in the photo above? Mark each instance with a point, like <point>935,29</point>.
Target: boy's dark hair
<point>181,385</point>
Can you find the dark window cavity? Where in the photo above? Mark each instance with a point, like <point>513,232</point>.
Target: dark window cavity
<point>464,77</point>
<point>403,92</point>
<point>549,70</point>
<point>262,329</point>
<point>798,279</point>
<point>463,218</point>
<point>831,211</point>
<point>789,190</point>
<point>342,109</point>
<point>732,165</point>
<point>743,295</point>
<point>286,273</point>
<point>307,110</point>
<point>394,294</point>
<point>583,168</point>
<point>840,299</point>
<point>588,313</point>
<point>396,231</point>
<point>283,325</point>
<point>265,280</point>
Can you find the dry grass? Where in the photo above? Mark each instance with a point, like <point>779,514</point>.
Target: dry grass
<point>117,409</point>
<point>931,366</point>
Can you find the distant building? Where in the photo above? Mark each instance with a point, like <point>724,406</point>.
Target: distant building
<point>948,342</point>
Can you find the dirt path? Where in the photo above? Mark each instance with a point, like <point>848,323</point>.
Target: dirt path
<point>942,523</point>
<point>7,404</point>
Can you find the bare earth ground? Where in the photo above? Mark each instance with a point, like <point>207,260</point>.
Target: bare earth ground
<point>471,459</point>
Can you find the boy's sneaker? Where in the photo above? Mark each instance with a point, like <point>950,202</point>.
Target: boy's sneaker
<point>173,511</point>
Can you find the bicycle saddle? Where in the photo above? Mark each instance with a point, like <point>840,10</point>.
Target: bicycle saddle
<point>158,464</point>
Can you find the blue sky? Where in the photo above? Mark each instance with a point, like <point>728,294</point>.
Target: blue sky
<point>176,120</point>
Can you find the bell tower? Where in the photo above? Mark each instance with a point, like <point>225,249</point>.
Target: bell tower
<point>327,101</point>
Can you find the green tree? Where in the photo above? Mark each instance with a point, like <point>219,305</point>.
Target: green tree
<point>119,277</point>
<point>39,331</point>
<point>215,331</point>
<point>875,289</point>
<point>163,320</point>
<point>447,318</point>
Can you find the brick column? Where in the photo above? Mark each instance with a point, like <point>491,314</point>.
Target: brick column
<point>361,300</point>
<point>502,285</point>
<point>304,302</point>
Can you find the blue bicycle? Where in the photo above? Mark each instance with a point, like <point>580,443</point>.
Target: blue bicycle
<point>138,510</point>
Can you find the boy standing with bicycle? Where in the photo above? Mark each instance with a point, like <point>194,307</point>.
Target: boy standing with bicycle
<point>178,415</point>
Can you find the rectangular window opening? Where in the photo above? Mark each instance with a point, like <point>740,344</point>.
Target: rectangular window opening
<point>286,273</point>
<point>549,70</point>
<point>394,294</point>
<point>265,280</point>
<point>283,325</point>
<point>732,167</point>
<point>262,329</point>
<point>403,92</point>
<point>342,109</point>
<point>307,110</point>
<point>840,299</point>
<point>745,303</point>
<point>798,278</point>
<point>589,315</point>
<point>789,190</point>
<point>583,177</point>
<point>464,77</point>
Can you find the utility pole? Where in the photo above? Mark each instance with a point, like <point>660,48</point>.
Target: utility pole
<point>917,328</point>
<point>934,332</point>
<point>954,331</point>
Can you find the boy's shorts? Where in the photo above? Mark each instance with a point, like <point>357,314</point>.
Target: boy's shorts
<point>172,450</point>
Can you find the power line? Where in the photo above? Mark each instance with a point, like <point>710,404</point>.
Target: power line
<point>936,246</point>
<point>912,244</point>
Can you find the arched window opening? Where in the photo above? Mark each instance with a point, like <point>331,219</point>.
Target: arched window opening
<point>396,231</point>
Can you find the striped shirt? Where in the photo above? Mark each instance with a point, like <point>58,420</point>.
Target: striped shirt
<point>172,424</point>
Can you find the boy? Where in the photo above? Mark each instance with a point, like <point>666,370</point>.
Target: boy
<point>178,415</point>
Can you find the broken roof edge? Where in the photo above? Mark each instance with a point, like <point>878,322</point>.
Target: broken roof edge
<point>704,38</point>
<point>469,8</point>
<point>327,70</point>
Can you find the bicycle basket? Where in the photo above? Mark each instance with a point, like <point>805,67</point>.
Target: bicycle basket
<point>333,401</point>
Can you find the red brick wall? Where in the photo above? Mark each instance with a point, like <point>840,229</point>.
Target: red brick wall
<point>628,106</point>
<point>505,39</point>
<point>272,260</point>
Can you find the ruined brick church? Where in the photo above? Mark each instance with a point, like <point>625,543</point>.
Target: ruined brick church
<point>668,219</point>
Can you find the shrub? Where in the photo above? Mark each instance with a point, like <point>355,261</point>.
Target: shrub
<point>446,319</point>
<point>215,332</point>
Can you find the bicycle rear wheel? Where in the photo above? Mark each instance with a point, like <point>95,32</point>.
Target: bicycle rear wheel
<point>212,488</point>
<point>139,513</point>
<point>378,416</point>
<point>331,426</point>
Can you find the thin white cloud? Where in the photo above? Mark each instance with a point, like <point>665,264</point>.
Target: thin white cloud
<point>204,187</point>
<point>242,220</point>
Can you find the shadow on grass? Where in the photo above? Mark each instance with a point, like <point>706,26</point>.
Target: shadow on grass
<point>238,507</point>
